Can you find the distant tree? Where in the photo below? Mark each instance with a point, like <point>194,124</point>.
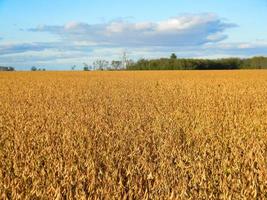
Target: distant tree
<point>43,69</point>
<point>130,62</point>
<point>7,68</point>
<point>73,67</point>
<point>199,64</point>
<point>173,56</point>
<point>116,64</point>
<point>33,68</point>
<point>85,67</point>
<point>101,64</point>
<point>11,69</point>
<point>257,63</point>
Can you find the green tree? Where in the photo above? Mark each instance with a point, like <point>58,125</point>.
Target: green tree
<point>34,68</point>
<point>85,67</point>
<point>173,56</point>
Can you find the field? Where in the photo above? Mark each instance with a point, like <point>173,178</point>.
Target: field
<point>133,135</point>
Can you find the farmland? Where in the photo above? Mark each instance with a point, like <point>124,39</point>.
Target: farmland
<point>133,135</point>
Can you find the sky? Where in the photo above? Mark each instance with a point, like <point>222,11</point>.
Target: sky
<point>57,34</point>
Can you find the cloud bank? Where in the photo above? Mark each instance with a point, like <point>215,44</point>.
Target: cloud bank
<point>186,30</point>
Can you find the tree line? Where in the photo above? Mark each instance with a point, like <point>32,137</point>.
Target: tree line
<point>106,65</point>
<point>2,68</point>
<point>171,63</point>
<point>33,68</point>
<point>174,63</point>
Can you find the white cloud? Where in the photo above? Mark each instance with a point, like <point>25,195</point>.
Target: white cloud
<point>216,37</point>
<point>71,25</point>
<point>185,30</point>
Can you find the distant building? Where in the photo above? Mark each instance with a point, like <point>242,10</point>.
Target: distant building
<point>7,68</point>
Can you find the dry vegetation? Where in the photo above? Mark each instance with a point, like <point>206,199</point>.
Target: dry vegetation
<point>133,135</point>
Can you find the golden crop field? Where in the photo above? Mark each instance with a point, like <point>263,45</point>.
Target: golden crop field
<point>133,135</point>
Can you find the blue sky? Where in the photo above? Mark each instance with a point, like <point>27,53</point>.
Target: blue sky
<point>59,34</point>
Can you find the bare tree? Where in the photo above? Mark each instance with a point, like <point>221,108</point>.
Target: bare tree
<point>116,64</point>
<point>73,67</point>
<point>101,64</point>
<point>130,62</point>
